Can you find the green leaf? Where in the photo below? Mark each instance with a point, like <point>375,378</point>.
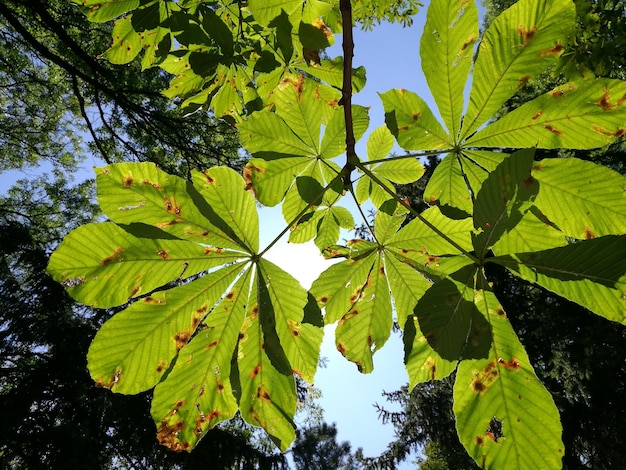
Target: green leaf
<point>126,42</point>
<point>268,397</point>
<point>264,130</point>
<point>505,416</point>
<point>403,171</point>
<point>331,72</point>
<point>418,241</point>
<point>591,273</point>
<point>407,286</point>
<point>270,179</point>
<point>198,393</point>
<point>412,122</point>
<point>94,257</point>
<point>339,286</point>
<point>518,45</point>
<point>449,319</point>
<point>503,199</point>
<point>101,11</point>
<point>282,296</point>
<point>379,143</point>
<point>133,349</point>
<point>532,233</point>
<point>225,192</point>
<point>365,328</point>
<point>299,103</point>
<point>446,51</point>
<point>265,11</point>
<point>334,140</point>
<point>583,199</point>
<point>422,362</point>
<point>447,186</point>
<point>140,192</point>
<point>577,115</point>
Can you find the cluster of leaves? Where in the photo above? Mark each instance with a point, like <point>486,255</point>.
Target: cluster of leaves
<point>216,328</point>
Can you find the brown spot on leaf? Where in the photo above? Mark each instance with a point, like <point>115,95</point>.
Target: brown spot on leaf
<point>167,435</point>
<point>109,259</point>
<point>163,254</point>
<point>556,50</point>
<point>528,182</point>
<point>127,181</point>
<point>211,249</point>
<point>181,338</point>
<point>171,205</point>
<point>230,295</point>
<point>479,441</point>
<point>323,299</point>
<point>601,130</point>
<point>348,316</point>
<point>155,185</point>
<point>560,91</point>
<point>523,81</point>
<point>589,234</point>
<point>537,115</point>
<point>605,101</point>
<point>485,378</point>
<point>161,366</point>
<point>212,344</point>
<point>135,291</point>
<point>112,381</point>
<point>220,386</point>
<point>341,348</point>
<point>553,129</point>
<point>255,371</point>
<point>513,364</point>
<point>415,115</point>
<point>432,260</point>
<point>169,223</point>
<point>469,41</point>
<point>526,34</point>
<point>152,300</point>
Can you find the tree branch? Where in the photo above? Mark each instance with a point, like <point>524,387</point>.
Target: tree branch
<point>346,98</point>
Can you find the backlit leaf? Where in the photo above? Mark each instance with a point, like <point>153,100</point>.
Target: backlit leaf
<point>591,273</point>
<point>412,122</point>
<point>518,45</point>
<point>566,117</point>
<point>505,417</point>
<point>446,50</point>
<point>584,200</point>
<point>126,43</point>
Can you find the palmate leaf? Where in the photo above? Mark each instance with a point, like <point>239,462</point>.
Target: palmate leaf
<point>237,309</point>
<point>505,416</point>
<point>356,292</point>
